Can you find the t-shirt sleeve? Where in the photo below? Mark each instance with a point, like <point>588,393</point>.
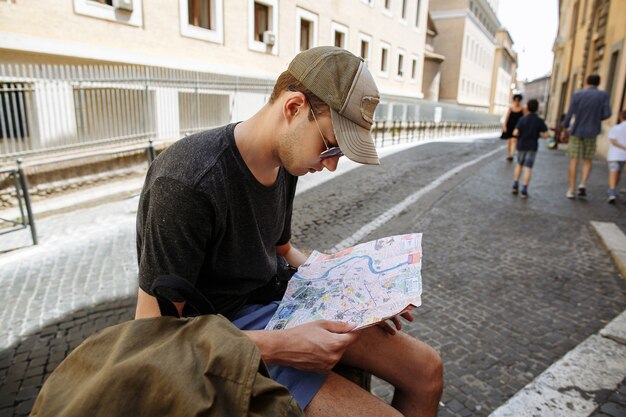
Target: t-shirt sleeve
<point>175,229</point>
<point>520,123</point>
<point>543,127</point>
<point>292,182</point>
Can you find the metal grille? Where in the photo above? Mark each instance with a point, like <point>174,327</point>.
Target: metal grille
<point>47,109</point>
<point>54,108</point>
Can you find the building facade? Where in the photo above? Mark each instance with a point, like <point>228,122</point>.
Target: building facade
<point>538,89</point>
<point>504,73</point>
<point>467,38</point>
<point>432,64</point>
<point>242,43</point>
<point>591,40</point>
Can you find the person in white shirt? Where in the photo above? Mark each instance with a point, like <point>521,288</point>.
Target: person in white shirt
<point>616,155</point>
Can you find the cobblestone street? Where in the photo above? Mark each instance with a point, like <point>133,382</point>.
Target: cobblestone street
<point>510,285</point>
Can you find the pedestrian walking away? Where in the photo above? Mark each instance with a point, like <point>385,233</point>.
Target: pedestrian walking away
<point>216,210</point>
<point>513,115</point>
<point>527,131</point>
<point>588,107</point>
<point>616,155</point>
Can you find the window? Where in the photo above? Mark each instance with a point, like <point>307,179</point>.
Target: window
<point>400,71</point>
<point>306,33</point>
<point>572,31</point>
<point>387,8</point>
<point>384,59</point>
<point>202,19</point>
<point>339,35</point>
<point>366,48</point>
<point>417,13</point>
<point>306,26</point>
<point>403,14</point>
<point>414,69</point>
<point>200,14</point>
<point>263,19</point>
<point>610,80</point>
<point>103,9</point>
<point>16,100</point>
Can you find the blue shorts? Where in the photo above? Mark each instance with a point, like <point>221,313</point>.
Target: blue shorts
<point>301,384</point>
<point>616,166</point>
<point>526,158</point>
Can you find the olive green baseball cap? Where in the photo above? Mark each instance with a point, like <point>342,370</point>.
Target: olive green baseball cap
<point>342,80</point>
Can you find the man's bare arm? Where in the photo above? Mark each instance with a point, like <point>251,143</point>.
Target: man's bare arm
<point>291,254</point>
<point>148,306</point>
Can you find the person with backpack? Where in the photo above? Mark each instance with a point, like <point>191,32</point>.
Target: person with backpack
<point>216,210</point>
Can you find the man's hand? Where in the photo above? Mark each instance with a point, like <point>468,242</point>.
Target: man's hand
<point>386,326</point>
<point>316,346</point>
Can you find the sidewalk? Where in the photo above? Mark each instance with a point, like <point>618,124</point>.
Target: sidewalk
<point>86,266</point>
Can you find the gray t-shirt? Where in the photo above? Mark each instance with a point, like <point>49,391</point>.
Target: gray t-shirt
<point>203,216</point>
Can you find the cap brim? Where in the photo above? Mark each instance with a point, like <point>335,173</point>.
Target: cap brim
<point>355,141</point>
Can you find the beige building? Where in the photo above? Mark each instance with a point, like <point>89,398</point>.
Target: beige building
<point>467,38</point>
<point>243,39</point>
<point>432,64</point>
<point>504,71</point>
<point>591,40</point>
<point>538,89</point>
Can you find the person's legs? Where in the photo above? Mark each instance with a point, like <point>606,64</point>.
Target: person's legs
<point>586,170</point>
<point>527,175</point>
<point>517,172</point>
<point>613,179</point>
<point>574,152</point>
<point>340,397</point>
<point>512,145</point>
<point>412,367</point>
<point>589,150</point>
<point>573,165</point>
<point>615,169</point>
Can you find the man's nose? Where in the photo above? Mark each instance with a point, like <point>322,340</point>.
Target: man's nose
<point>331,163</point>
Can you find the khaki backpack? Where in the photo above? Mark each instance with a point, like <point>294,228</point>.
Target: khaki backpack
<point>165,366</point>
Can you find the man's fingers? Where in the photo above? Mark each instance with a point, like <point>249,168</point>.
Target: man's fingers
<point>396,322</point>
<point>337,326</point>
<point>406,315</point>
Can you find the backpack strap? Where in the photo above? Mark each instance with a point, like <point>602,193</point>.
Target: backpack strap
<point>169,289</point>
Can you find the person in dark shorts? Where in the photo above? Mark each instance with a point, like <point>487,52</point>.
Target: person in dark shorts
<point>515,112</point>
<point>216,211</point>
<point>527,131</point>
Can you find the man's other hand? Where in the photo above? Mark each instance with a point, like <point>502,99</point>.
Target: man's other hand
<point>386,326</point>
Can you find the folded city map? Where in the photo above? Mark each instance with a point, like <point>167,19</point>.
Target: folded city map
<point>363,284</point>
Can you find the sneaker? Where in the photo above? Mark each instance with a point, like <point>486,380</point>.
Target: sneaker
<point>509,158</point>
<point>515,189</point>
<point>582,191</point>
<point>523,194</point>
<point>570,195</point>
<point>612,199</point>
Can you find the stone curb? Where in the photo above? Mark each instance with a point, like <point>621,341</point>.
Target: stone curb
<point>615,243</point>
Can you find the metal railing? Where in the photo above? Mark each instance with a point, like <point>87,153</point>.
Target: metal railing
<point>18,179</point>
<point>56,109</point>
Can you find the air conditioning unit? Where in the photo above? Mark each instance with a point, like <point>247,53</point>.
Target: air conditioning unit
<point>126,5</point>
<point>269,38</point>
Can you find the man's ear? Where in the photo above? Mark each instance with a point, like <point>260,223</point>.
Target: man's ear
<point>294,103</point>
